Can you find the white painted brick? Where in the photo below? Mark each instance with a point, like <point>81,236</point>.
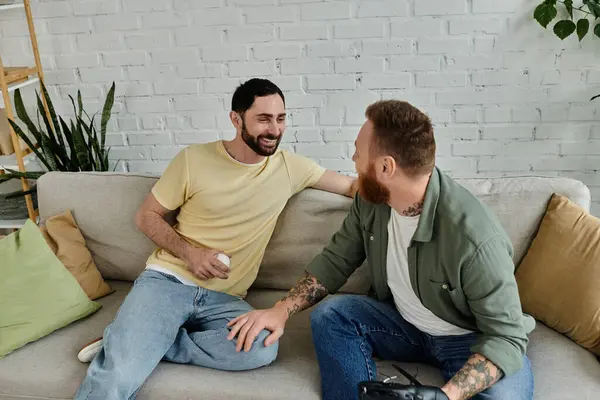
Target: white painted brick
<point>138,73</point>
<point>276,51</point>
<point>299,1</point>
<point>176,87</point>
<point>94,75</point>
<point>415,63</point>
<point>124,58</point>
<point>387,81</point>
<point>317,150</point>
<point>224,122</point>
<point>51,10</point>
<point>466,114</point>
<point>325,11</point>
<point>363,64</point>
<point>355,115</point>
<point>303,117</point>
<point>497,114</point>
<point>583,113</point>
<point>333,82</point>
<point>492,96</point>
<point>303,32</point>
<point>362,30</point>
<point>420,97</point>
<point>141,139</point>
<point>444,46</point>
<point>129,153</point>
<point>222,16</point>
<point>593,77</point>
<point>494,6</point>
<point>187,138</point>
<point>152,121</point>
<point>222,53</point>
<point>571,94</point>
<point>331,116</point>
<point>456,164</point>
<point>287,83</point>
<point>197,36</point>
<point>359,98</point>
<point>417,28</point>
<point>252,2</point>
<point>163,20</point>
<point>175,56</point>
<point>346,134</point>
<point>128,123</point>
<point>382,8</point>
<point>262,15</point>
<point>566,132</point>
<point>80,60</point>
<point>376,48</point>
<point>565,163</point>
<point>596,132</point>
<point>90,91</point>
<point>220,85</point>
<point>499,78</point>
<point>444,79</point>
<point>554,113</point>
<point>507,132</point>
<point>457,133</point>
<point>504,164</point>
<point>94,7</point>
<point>342,164</point>
<point>202,121</point>
<point>304,101</point>
<point>496,148</point>
<point>304,66</point>
<point>151,167</point>
<point>525,114</point>
<point>580,148</point>
<point>304,135</point>
<point>330,49</point>
<point>146,5</point>
<point>438,115</point>
<point>472,62</point>
<point>589,178</point>
<point>115,139</point>
<point>488,26</point>
<point>253,34</point>
<point>164,153</point>
<point>238,69</point>
<point>59,26</point>
<point>199,71</point>
<point>103,42</point>
<point>147,105</point>
<point>15,46</point>
<point>15,28</point>
<point>148,41</point>
<point>436,7</point>
<point>529,58</point>
<point>110,23</point>
<point>187,5</point>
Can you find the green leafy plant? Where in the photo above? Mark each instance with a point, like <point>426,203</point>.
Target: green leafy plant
<point>61,146</point>
<point>578,17</point>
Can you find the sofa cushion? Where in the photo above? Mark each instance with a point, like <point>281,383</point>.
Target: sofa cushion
<point>49,369</point>
<point>559,277</point>
<point>104,205</point>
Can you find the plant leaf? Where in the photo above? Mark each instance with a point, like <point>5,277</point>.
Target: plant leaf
<point>595,97</point>
<point>26,139</point>
<point>597,30</point>
<point>564,28</point>
<point>47,150</point>
<point>583,26</point>
<point>81,148</point>
<point>594,6</point>
<point>79,102</point>
<point>51,111</point>
<point>108,104</point>
<point>545,13</point>
<point>569,6</point>
<point>23,116</point>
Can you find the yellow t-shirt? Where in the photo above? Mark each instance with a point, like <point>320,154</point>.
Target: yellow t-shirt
<point>229,206</point>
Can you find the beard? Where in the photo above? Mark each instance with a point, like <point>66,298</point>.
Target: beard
<point>256,144</point>
<point>371,189</point>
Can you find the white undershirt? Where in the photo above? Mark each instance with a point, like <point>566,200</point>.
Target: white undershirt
<point>182,279</point>
<point>400,232</point>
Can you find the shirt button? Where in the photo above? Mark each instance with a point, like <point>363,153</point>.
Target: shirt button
<point>372,238</point>
<point>445,287</point>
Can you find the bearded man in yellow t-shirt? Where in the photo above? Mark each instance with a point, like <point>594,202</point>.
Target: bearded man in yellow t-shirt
<point>229,195</point>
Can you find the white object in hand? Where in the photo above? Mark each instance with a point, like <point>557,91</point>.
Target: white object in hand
<point>223,258</point>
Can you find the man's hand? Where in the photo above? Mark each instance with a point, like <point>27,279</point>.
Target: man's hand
<point>247,327</point>
<point>478,374</point>
<point>204,263</point>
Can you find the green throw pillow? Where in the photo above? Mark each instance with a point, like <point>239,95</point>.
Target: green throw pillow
<point>38,295</point>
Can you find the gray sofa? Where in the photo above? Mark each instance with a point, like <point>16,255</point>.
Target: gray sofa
<point>104,206</point>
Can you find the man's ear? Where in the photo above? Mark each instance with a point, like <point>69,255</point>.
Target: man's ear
<point>236,120</point>
<point>388,167</point>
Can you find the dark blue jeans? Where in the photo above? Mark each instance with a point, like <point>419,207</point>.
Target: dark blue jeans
<point>349,330</point>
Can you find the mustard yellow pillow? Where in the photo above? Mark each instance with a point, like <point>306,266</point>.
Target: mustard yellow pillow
<point>559,278</point>
<point>66,241</point>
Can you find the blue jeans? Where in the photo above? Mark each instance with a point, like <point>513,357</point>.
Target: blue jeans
<point>349,330</point>
<point>163,319</point>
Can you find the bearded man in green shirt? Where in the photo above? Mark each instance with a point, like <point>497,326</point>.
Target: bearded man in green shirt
<point>443,285</point>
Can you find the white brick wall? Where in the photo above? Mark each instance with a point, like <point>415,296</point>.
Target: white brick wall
<point>507,97</point>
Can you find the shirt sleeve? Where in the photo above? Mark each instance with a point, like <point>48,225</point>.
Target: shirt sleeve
<point>303,172</point>
<point>172,189</point>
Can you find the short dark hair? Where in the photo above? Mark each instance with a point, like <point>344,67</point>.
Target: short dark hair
<point>244,95</point>
<point>405,133</point>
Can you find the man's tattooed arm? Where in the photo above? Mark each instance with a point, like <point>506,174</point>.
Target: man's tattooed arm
<point>307,292</point>
<point>477,375</point>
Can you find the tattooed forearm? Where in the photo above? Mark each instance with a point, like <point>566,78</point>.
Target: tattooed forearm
<point>477,375</point>
<point>307,292</point>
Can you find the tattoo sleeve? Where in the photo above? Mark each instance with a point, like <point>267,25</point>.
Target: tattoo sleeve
<point>475,376</point>
<point>307,292</point>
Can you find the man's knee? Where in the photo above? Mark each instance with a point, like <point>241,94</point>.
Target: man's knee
<point>332,311</point>
<point>259,355</point>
